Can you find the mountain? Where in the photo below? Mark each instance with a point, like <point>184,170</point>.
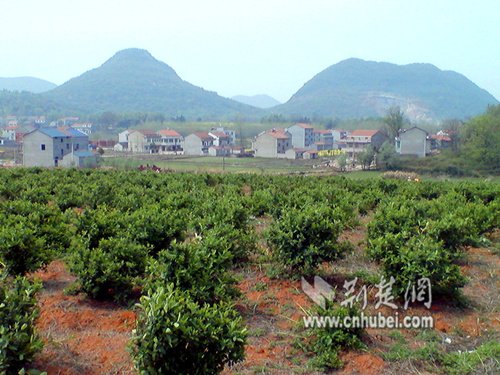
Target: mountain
<point>134,81</point>
<point>355,88</point>
<point>29,84</point>
<point>259,101</point>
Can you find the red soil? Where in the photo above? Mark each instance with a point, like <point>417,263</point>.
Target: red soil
<point>81,336</point>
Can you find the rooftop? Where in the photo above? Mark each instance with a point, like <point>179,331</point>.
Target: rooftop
<point>203,135</point>
<point>168,133</point>
<point>363,133</point>
<point>278,133</point>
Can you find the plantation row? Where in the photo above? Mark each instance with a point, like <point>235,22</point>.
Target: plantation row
<point>176,238</point>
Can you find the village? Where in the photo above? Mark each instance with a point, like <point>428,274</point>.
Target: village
<point>66,142</point>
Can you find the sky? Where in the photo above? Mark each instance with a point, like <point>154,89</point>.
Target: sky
<point>250,47</point>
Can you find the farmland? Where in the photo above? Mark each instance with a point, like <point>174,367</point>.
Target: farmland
<point>116,271</point>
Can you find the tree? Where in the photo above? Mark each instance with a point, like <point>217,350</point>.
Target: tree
<point>366,157</point>
<point>394,121</point>
<point>342,160</point>
<point>481,139</point>
<point>452,128</point>
<point>386,157</point>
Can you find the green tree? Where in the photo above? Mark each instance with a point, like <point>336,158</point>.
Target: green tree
<point>481,140</point>
<point>386,157</point>
<point>366,157</point>
<point>394,121</point>
<point>452,127</point>
<point>342,160</point>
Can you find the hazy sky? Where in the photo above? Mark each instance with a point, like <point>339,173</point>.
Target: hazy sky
<point>250,46</point>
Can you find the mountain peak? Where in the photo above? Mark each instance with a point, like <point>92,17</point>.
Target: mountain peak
<point>355,88</point>
<point>133,53</point>
<point>133,80</point>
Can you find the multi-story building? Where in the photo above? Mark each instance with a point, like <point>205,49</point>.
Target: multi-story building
<point>413,141</point>
<point>170,140</point>
<point>359,140</point>
<point>47,147</point>
<point>302,135</point>
<point>272,143</point>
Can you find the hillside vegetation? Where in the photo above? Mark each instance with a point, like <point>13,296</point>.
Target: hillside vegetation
<point>355,88</point>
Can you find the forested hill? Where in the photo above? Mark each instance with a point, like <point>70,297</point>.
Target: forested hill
<point>355,88</point>
<point>134,81</point>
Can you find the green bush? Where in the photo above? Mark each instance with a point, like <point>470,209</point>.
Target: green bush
<point>21,251</point>
<point>199,268</point>
<point>175,335</point>
<point>325,343</point>
<point>152,226</point>
<point>422,257</point>
<point>18,313</point>
<point>110,269</point>
<point>303,238</point>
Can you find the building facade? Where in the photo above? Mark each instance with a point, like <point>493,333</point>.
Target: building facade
<point>272,143</point>
<point>46,147</point>
<point>302,135</point>
<point>197,144</point>
<point>359,140</point>
<point>413,141</point>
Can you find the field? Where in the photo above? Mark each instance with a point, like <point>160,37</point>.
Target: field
<point>212,164</point>
<point>178,256</point>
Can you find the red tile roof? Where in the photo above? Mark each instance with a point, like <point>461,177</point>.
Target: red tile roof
<point>168,133</point>
<point>363,133</point>
<point>220,134</point>
<point>322,131</point>
<point>203,135</point>
<point>443,138</point>
<point>278,133</point>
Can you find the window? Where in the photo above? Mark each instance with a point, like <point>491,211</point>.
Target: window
<point>61,140</point>
<point>77,146</point>
<point>42,147</point>
<point>67,146</point>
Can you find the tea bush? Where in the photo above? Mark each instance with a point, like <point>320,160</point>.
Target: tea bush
<point>18,313</point>
<point>325,343</point>
<point>175,335</point>
<point>110,269</point>
<point>303,238</point>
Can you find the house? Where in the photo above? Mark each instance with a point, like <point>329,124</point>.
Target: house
<point>123,136</point>
<point>439,141</point>
<point>80,159</point>
<point>5,142</point>
<point>46,147</point>
<point>198,143</point>
<point>121,147</point>
<point>229,132</point>
<point>171,141</point>
<point>272,143</point>
<point>358,141</point>
<point>323,139</point>
<point>83,127</point>
<point>338,135</point>
<point>144,141</point>
<point>295,153</point>
<point>302,135</point>
<point>219,150</point>
<point>9,132</point>
<point>413,141</point>
<point>220,138</point>
<point>310,154</point>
